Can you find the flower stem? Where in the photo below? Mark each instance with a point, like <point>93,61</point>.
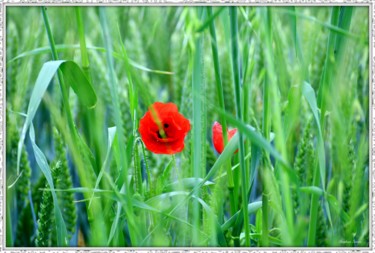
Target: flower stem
<point>266,132</point>
<point>236,77</point>
<point>133,228</point>
<point>220,94</point>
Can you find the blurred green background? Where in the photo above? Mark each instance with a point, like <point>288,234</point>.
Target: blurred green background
<point>123,195</point>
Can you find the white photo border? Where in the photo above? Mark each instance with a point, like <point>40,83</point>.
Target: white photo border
<point>366,3</point>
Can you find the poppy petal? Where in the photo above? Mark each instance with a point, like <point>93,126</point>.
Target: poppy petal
<point>163,128</point>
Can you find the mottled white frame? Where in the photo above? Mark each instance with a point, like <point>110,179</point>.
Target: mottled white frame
<point>366,3</point>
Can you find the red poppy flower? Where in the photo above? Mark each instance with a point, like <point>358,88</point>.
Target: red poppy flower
<point>163,129</point>
<point>217,136</point>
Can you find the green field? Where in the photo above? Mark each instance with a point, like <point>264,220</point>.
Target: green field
<point>86,166</point>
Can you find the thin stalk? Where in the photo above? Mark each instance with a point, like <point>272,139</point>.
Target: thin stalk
<point>61,81</point>
<point>220,94</point>
<point>59,75</point>
<point>89,120</point>
<point>199,114</point>
<point>277,122</point>
<point>82,43</point>
<point>248,71</point>
<point>329,65</point>
<point>236,77</point>
<point>9,232</point>
<point>313,211</point>
<point>322,95</point>
<point>266,132</point>
<point>148,172</point>
<point>120,136</point>
<point>264,218</point>
<point>138,170</point>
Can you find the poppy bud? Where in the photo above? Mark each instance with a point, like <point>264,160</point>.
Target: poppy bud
<point>217,136</point>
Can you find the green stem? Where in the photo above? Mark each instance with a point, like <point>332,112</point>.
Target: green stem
<point>277,122</point>
<point>220,94</point>
<point>236,77</point>
<point>134,235</point>
<point>266,132</point>
<point>148,172</point>
<point>313,211</point>
<point>329,65</point>
<point>138,169</point>
<point>64,91</point>
<point>90,122</point>
<point>9,237</point>
<point>264,218</point>
<point>82,41</point>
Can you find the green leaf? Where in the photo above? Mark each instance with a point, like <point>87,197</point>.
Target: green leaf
<point>336,207</point>
<point>186,183</point>
<point>251,208</point>
<point>258,140</point>
<point>312,190</point>
<point>309,94</point>
<point>111,137</point>
<point>63,47</point>
<point>73,76</point>
<point>210,20</point>
<point>255,137</point>
<point>331,27</point>
<point>227,153</point>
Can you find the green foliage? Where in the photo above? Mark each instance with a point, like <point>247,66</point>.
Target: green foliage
<point>321,237</point>
<point>294,81</point>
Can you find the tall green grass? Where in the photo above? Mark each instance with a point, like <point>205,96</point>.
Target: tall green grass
<point>294,81</point>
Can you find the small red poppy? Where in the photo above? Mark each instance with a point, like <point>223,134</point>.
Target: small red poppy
<point>217,136</point>
<point>163,128</point>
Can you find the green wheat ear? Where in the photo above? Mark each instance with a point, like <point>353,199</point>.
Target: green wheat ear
<point>127,121</point>
<point>210,156</point>
<point>228,86</point>
<point>321,231</point>
<point>137,174</point>
<point>23,204</point>
<point>45,221</point>
<point>61,175</point>
<point>206,222</point>
<point>37,193</point>
<point>23,183</point>
<point>302,161</point>
<point>348,177</point>
<point>25,227</point>
<point>22,186</point>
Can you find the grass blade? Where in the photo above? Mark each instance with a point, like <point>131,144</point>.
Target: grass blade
<point>74,76</point>
<point>210,19</point>
<point>236,78</point>
<point>220,93</point>
<point>64,47</point>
